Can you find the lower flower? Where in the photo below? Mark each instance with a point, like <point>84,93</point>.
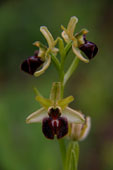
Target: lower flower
<point>55,115</point>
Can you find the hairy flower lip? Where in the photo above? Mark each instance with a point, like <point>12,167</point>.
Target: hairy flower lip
<point>55,126</point>
<point>89,48</point>
<point>32,63</point>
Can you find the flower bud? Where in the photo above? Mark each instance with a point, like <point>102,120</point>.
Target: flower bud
<point>31,64</point>
<point>80,131</point>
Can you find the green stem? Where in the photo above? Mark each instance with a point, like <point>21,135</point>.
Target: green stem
<point>62,141</point>
<point>62,150</point>
<point>63,79</point>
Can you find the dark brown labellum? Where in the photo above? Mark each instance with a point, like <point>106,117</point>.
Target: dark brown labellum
<point>89,48</point>
<point>31,64</point>
<point>55,125</point>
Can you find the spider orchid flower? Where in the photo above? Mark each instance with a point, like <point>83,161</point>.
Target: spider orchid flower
<point>55,115</point>
<point>37,64</point>
<point>79,41</point>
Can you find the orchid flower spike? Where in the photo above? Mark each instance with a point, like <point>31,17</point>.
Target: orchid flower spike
<point>55,115</point>
<point>42,59</point>
<point>79,41</point>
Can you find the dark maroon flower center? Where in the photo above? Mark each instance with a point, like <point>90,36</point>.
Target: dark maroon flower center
<point>31,64</point>
<point>89,48</point>
<point>55,124</point>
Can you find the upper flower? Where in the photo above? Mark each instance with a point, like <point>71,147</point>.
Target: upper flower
<point>55,114</point>
<point>43,57</point>
<point>78,41</point>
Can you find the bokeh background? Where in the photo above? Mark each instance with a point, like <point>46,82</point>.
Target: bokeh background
<point>23,147</point>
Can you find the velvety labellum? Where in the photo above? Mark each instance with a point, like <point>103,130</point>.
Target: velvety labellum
<point>89,48</point>
<point>55,125</point>
<point>31,64</point>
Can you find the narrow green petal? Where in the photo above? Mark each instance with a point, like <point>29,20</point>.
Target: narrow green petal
<point>81,33</point>
<point>44,102</point>
<point>47,36</point>
<point>55,94</point>
<point>40,45</point>
<point>78,54</point>
<point>37,116</point>
<point>73,116</point>
<point>64,102</point>
<point>44,67</point>
<point>37,92</point>
<point>80,36</point>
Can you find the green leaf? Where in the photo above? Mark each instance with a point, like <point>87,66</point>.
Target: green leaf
<point>72,156</point>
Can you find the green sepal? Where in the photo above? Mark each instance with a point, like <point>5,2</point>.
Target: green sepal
<point>44,66</point>
<point>77,52</point>
<point>48,36</point>
<point>71,25</point>
<point>73,116</point>
<point>37,116</point>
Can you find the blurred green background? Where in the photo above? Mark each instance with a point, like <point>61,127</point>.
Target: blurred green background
<point>23,147</point>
